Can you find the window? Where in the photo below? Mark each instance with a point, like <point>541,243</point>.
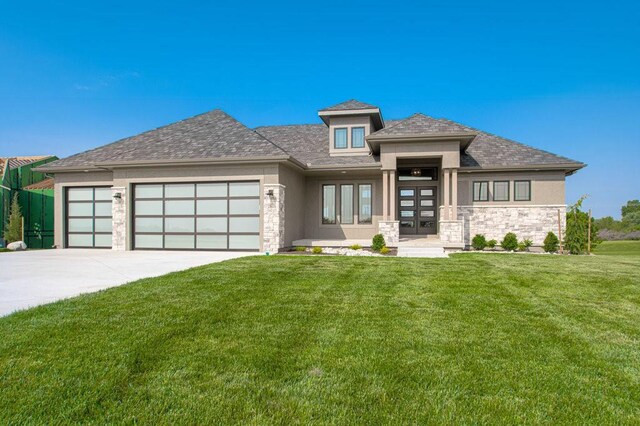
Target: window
<point>364,204</point>
<point>328,204</point>
<point>357,137</point>
<point>501,190</point>
<point>418,173</point>
<point>522,190</point>
<point>346,204</point>
<point>480,191</point>
<point>340,138</point>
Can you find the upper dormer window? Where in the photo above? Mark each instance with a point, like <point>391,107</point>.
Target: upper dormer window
<point>340,138</point>
<point>357,137</point>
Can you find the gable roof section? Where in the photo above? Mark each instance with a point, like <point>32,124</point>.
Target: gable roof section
<point>420,124</point>
<point>352,104</point>
<point>212,135</point>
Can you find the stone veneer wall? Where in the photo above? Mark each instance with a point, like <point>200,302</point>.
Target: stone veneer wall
<point>390,230</point>
<point>273,218</point>
<point>527,222</point>
<point>452,231</point>
<point>119,221</point>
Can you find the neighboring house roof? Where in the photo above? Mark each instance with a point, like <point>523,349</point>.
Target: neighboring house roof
<point>217,136</point>
<point>214,134</point>
<point>15,162</point>
<point>43,184</point>
<point>352,104</point>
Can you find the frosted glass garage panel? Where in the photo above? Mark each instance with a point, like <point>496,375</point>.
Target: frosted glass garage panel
<point>180,190</point>
<point>103,194</point>
<point>80,225</point>
<point>211,190</point>
<point>244,206</point>
<point>244,224</point>
<point>179,224</point>
<point>103,209</point>
<point>80,240</point>
<point>103,225</point>
<point>80,209</point>
<point>148,224</point>
<point>103,240</point>
<point>80,194</point>
<point>212,207</point>
<point>179,207</point>
<point>148,208</point>
<point>179,241</point>
<point>244,189</point>
<point>148,241</point>
<point>212,224</point>
<point>211,242</point>
<point>244,242</point>
<point>148,191</point>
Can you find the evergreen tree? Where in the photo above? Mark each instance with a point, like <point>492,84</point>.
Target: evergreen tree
<point>13,231</point>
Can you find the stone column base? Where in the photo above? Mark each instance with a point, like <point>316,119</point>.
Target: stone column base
<point>390,230</point>
<point>452,232</point>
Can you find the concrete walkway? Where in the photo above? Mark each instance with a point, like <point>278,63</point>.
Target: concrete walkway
<point>42,276</point>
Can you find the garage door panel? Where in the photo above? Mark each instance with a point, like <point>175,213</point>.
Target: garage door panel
<point>89,221</point>
<point>197,216</point>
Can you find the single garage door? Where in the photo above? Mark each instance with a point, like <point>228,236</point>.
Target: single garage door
<point>89,217</point>
<point>197,216</point>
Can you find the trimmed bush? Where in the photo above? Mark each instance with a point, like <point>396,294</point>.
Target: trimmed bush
<point>385,250</point>
<point>479,242</point>
<point>300,248</point>
<point>509,242</point>
<point>355,247</point>
<point>378,242</point>
<point>492,243</point>
<point>551,243</point>
<point>317,250</point>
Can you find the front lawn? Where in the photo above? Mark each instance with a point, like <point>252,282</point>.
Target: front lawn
<point>477,338</point>
<point>618,248</point>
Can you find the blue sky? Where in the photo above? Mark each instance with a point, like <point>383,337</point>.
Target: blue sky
<point>561,76</point>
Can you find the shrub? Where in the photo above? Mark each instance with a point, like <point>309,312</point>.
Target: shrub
<point>479,242</point>
<point>378,242</point>
<point>509,242</point>
<point>355,247</point>
<point>492,243</point>
<point>576,234</point>
<point>522,247</point>
<point>527,243</point>
<point>551,243</point>
<point>385,250</point>
<point>300,248</point>
<point>317,250</point>
<point>13,231</point>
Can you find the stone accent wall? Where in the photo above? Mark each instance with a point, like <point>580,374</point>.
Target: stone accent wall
<point>452,232</point>
<point>273,218</point>
<point>390,230</point>
<point>527,222</point>
<point>119,220</point>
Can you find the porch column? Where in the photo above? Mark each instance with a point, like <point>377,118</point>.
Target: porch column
<point>392,195</point>
<point>445,189</point>
<point>385,195</point>
<point>454,193</point>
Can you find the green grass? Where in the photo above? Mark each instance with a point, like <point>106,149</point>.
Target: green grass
<point>4,250</point>
<point>477,338</point>
<point>618,248</point>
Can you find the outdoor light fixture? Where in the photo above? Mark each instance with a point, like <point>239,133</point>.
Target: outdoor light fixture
<point>117,195</point>
<point>270,193</point>
<point>416,172</point>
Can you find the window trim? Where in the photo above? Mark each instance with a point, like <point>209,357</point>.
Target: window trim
<point>515,193</point>
<point>346,131</point>
<point>368,222</point>
<point>473,190</point>
<point>364,144</point>
<point>508,189</point>
<point>335,205</point>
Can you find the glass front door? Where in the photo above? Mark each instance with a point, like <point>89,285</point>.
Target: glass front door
<point>417,210</point>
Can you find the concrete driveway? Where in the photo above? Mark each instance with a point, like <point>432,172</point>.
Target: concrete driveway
<point>33,278</point>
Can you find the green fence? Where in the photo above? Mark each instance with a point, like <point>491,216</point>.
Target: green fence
<point>37,210</point>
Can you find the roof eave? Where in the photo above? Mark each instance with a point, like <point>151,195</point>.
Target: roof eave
<point>375,114</point>
<point>568,168</point>
<point>465,139</point>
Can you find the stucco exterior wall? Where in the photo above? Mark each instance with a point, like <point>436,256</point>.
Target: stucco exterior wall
<point>313,227</point>
<point>349,121</point>
<point>295,184</point>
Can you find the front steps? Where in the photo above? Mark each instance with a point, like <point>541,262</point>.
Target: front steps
<point>418,251</point>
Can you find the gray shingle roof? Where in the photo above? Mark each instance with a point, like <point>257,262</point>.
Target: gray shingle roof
<point>351,104</point>
<point>214,134</point>
<point>420,124</point>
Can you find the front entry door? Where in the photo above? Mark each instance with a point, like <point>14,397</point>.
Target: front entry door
<point>417,210</point>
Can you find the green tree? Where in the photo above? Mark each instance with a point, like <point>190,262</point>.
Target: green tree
<point>633,206</point>
<point>13,231</point>
<point>576,234</point>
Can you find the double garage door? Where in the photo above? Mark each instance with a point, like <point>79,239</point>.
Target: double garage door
<point>197,216</point>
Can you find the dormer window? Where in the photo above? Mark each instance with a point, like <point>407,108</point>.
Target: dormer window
<point>340,138</point>
<point>357,137</point>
